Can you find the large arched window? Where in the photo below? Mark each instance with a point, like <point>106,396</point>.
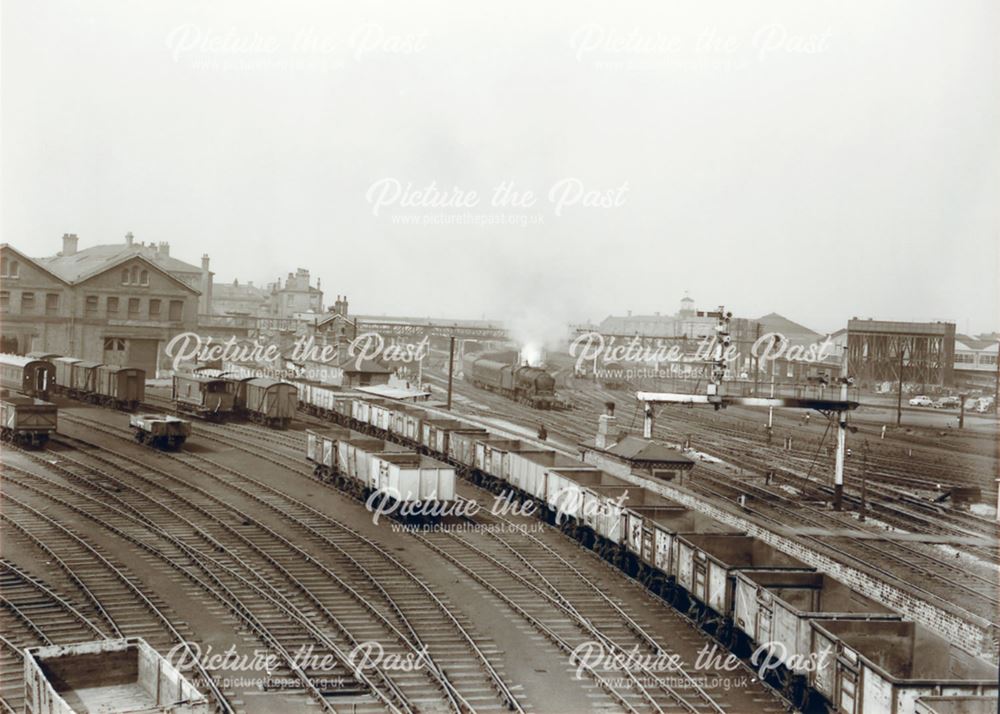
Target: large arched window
<point>144,277</point>
<point>125,277</point>
<point>135,274</point>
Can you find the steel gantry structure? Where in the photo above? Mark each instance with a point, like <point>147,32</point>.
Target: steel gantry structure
<point>918,352</point>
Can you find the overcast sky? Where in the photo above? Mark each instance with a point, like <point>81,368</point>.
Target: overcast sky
<point>819,159</point>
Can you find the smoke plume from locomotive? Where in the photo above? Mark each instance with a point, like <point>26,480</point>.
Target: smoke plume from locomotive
<point>532,354</point>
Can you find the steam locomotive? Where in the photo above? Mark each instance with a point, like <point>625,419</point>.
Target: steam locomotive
<point>528,385</point>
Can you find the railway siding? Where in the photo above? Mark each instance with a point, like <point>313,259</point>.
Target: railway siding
<point>965,629</point>
<point>970,631</point>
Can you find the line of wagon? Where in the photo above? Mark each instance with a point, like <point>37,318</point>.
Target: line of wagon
<point>220,396</point>
<point>28,382</point>
<point>829,647</point>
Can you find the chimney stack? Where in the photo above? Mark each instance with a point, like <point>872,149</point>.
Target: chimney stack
<point>129,239</point>
<point>69,244</point>
<point>204,263</point>
<point>340,305</point>
<point>604,425</point>
<point>163,249</point>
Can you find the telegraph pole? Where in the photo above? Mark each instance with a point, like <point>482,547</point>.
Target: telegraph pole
<point>838,474</point>
<point>451,367</point>
<point>996,389</point>
<point>756,363</point>
<point>864,481</point>
<point>899,392</point>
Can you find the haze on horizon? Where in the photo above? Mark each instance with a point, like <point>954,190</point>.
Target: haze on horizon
<point>821,160</point>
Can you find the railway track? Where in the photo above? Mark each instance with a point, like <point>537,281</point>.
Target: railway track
<point>896,506</point>
<point>648,691</point>
<point>563,586</point>
<point>385,581</point>
<point>102,597</point>
<point>914,566</point>
<point>888,461</point>
<point>919,569</point>
<point>33,614</point>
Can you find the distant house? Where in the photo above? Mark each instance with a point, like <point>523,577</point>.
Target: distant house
<point>239,299</point>
<point>295,295</point>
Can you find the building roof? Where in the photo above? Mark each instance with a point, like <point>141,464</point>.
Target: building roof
<point>429,321</point>
<point>90,261</point>
<point>237,291</point>
<point>974,343</point>
<point>33,261</point>
<point>331,316</point>
<point>773,322</point>
<point>854,325</point>
<point>90,266</point>
<point>371,366</point>
<point>639,450</point>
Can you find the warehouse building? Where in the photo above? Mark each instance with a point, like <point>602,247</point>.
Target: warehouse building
<point>115,304</point>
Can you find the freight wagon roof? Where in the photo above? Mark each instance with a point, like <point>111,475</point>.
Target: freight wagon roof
<point>389,392</point>
<point>87,365</point>
<point>264,382</point>
<point>120,368</point>
<point>16,360</point>
<point>209,372</point>
<point>204,379</point>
